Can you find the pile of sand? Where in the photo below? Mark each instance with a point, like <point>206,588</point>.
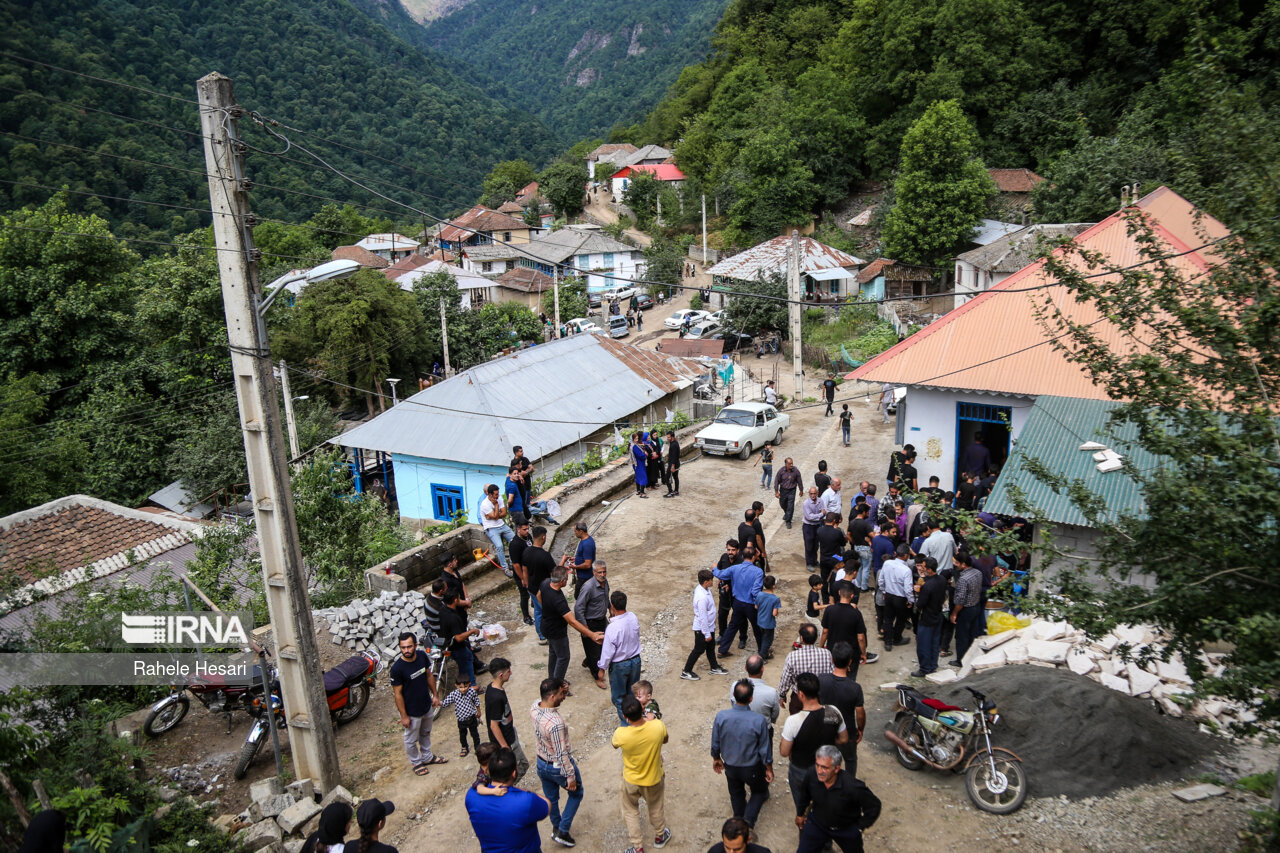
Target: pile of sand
<point>1078,738</point>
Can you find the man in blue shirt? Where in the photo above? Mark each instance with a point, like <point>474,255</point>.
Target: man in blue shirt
<point>518,499</point>
<point>747,580</point>
<point>506,824</point>
<point>584,557</point>
<point>742,749</point>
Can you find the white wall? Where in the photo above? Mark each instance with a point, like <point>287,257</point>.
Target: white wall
<point>930,425</point>
<point>626,265</point>
<point>970,281</point>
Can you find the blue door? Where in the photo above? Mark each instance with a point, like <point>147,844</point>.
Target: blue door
<point>992,423</point>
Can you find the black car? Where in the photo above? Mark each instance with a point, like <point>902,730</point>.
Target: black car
<point>593,300</point>
<point>734,341</point>
<point>644,301</point>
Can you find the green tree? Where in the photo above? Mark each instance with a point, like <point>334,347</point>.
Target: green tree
<point>664,261</point>
<point>51,460</point>
<point>506,179</point>
<point>505,324</point>
<point>773,188</point>
<point>573,299</point>
<point>641,195</point>
<point>941,191</point>
<point>430,292</point>
<point>754,314</point>
<point>564,185</point>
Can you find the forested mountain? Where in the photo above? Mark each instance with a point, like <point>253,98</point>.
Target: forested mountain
<point>582,66</point>
<point>357,73</point>
<point>801,99</point>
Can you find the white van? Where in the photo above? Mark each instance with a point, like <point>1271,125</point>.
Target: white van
<point>618,326</point>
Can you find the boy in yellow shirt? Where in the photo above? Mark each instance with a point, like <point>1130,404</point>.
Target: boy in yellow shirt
<point>641,741</point>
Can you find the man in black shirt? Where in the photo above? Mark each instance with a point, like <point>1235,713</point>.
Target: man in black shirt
<point>725,604</point>
<point>735,837</point>
<point>843,623</point>
<point>557,617</point>
<point>497,713</point>
<point>538,565</point>
<point>895,460</point>
<point>820,479</point>
<point>840,808</point>
<point>907,476</point>
<point>929,601</point>
<point>763,558</point>
<point>829,391</point>
<point>673,466</point>
<point>831,541</point>
<point>453,625</point>
<point>517,549</point>
<point>452,581</point>
<point>432,606</point>
<point>519,460</point>
<point>750,533</point>
<point>839,688</point>
<point>414,689</point>
<point>861,531</point>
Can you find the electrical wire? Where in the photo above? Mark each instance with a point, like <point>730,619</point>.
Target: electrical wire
<point>10,55</point>
<point>149,242</point>
<point>124,118</point>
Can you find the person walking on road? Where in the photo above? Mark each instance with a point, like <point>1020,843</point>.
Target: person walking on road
<point>833,807</point>
<point>620,652</point>
<point>414,688</point>
<point>742,749</point>
<point>704,628</point>
<point>556,621</point>
<point>747,580</point>
<point>829,391</point>
<point>929,601</point>
<point>785,485</point>
<point>640,739</point>
<point>813,514</point>
<point>498,716</point>
<point>556,766</point>
<point>673,466</point>
<point>839,688</point>
<point>846,423</point>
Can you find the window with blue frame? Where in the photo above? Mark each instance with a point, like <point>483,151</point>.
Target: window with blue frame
<point>608,261</point>
<point>582,262</point>
<point>445,501</point>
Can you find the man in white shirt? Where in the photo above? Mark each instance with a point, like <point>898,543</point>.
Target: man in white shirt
<point>940,545</point>
<point>704,628</point>
<point>831,500</point>
<point>493,512</point>
<point>770,393</point>
<point>899,593</point>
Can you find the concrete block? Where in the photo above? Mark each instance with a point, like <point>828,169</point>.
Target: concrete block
<point>295,845</point>
<point>889,687</point>
<point>296,815</point>
<point>1113,666</point>
<point>1134,635</point>
<point>1173,709</point>
<point>946,675</point>
<point>1080,663</point>
<point>339,794</point>
<point>991,660</point>
<point>1050,630</point>
<point>990,641</point>
<point>1199,792</point>
<point>269,807</point>
<point>1106,643</point>
<point>1016,653</point>
<point>303,789</point>
<point>1174,671</point>
<point>1141,681</point>
<point>263,788</point>
<point>1113,682</point>
<point>1048,652</point>
<point>263,835</point>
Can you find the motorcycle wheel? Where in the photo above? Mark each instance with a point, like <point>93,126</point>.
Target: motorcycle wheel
<point>166,717</point>
<point>247,754</point>
<point>357,698</point>
<point>1001,793</point>
<point>911,731</point>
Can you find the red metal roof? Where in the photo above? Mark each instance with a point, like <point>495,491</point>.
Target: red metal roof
<point>1015,180</point>
<point>361,256</point>
<point>404,265</point>
<point>996,342</point>
<point>661,171</point>
<point>873,269</point>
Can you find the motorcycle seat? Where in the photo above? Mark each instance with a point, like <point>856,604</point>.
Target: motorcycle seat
<point>939,705</point>
<point>346,673</point>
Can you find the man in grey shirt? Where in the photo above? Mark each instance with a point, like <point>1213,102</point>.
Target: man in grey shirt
<point>592,609</point>
<point>940,545</point>
<point>764,699</point>
<point>742,749</point>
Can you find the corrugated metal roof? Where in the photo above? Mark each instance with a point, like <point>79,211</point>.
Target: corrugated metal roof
<point>493,252</point>
<point>661,171</point>
<point>479,219</point>
<point>1053,433</point>
<point>525,280</point>
<point>770,257</point>
<point>995,341</point>
<point>558,246</point>
<point>991,230</point>
<point>177,498</point>
<point>544,398</point>
<point>466,280</point>
<point>1014,251</point>
<point>387,242</point>
<point>611,148</point>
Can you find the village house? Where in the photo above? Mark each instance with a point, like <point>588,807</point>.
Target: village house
<point>475,290</point>
<point>986,266</point>
<point>980,368</point>
<point>389,247</point>
<point>586,251</point>
<point>360,255</point>
<point>446,443</point>
<point>826,273</point>
<point>610,156</point>
<point>524,286</point>
<point>667,173</point>
<point>1013,203</point>
<point>481,226</point>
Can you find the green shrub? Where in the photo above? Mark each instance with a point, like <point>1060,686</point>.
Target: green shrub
<point>695,301</point>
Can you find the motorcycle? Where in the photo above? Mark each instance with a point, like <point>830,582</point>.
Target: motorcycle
<point>214,693</point>
<point>346,686</point>
<point>929,731</point>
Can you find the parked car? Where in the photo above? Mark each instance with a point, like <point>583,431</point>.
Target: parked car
<point>644,301</point>
<point>704,329</point>
<point>742,428</point>
<point>618,327</point>
<point>734,341</point>
<point>594,301</point>
<point>619,291</point>
<point>581,324</point>
<point>676,320</point>
<point>719,317</point>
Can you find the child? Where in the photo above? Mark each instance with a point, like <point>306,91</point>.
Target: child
<point>846,421</point>
<point>814,605</point>
<point>767,606</point>
<point>465,700</point>
<point>643,691</point>
<point>483,784</point>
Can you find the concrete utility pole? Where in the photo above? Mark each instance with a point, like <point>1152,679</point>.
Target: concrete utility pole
<point>444,338</point>
<point>294,449</point>
<point>793,310</point>
<point>315,751</point>
<point>555,283</point>
<point>704,229</point>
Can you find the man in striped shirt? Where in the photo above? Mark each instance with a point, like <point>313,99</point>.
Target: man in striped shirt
<point>808,658</point>
<point>965,609</point>
<point>556,767</point>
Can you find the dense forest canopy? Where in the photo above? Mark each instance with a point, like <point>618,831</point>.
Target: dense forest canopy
<point>325,67</point>
<point>802,99</point>
<point>582,66</point>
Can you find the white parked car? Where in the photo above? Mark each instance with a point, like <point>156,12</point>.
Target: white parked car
<point>742,428</point>
<point>619,291</point>
<point>719,317</point>
<point>676,320</point>
<point>704,329</point>
<point>581,324</point>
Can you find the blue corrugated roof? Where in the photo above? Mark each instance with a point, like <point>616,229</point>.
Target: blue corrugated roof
<point>543,398</point>
<point>1053,433</point>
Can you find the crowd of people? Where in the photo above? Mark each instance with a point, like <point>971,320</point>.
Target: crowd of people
<point>922,561</point>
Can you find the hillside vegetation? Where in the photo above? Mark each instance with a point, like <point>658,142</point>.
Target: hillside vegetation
<point>582,66</point>
<point>347,71</point>
<point>802,99</point>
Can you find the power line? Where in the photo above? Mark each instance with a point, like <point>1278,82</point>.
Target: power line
<point>148,242</point>
<point>125,118</point>
<point>136,88</point>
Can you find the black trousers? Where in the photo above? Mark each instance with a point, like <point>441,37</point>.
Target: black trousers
<point>524,599</point>
<point>673,478</point>
<point>815,837</point>
<point>897,612</point>
<point>590,648</point>
<point>741,778</point>
<point>701,645</point>
<point>723,608</point>
<point>743,615</point>
<point>830,401</point>
<point>810,532</point>
<point>787,500</point>
<point>472,725</point>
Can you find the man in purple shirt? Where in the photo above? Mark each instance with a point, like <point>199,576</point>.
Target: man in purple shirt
<point>620,654</point>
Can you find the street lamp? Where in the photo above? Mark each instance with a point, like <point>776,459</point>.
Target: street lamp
<point>392,383</point>
<point>325,272</point>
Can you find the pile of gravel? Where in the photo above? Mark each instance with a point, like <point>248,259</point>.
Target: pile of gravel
<point>1079,739</point>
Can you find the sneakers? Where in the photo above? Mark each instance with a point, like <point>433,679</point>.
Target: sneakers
<point>508,572</point>
<point>527,620</point>
<point>919,673</point>
<point>718,670</point>
<point>662,839</point>
<point>564,839</point>
<point>542,641</point>
<point>872,657</point>
<point>690,676</point>
<point>635,850</point>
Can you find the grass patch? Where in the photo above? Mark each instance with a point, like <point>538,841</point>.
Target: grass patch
<point>856,327</point>
<point>1261,784</point>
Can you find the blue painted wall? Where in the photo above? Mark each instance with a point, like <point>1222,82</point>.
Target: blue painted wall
<point>415,476</point>
<point>873,289</point>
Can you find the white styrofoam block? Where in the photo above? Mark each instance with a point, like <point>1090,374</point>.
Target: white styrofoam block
<point>1141,681</point>
<point>1174,671</point>
<point>1080,663</point>
<point>1016,654</point>
<point>1106,643</point>
<point>1050,630</point>
<point>990,660</point>
<point>990,641</point>
<point>946,675</point>
<point>1114,683</point>
<point>1048,652</point>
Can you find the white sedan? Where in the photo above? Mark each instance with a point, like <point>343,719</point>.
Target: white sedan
<point>704,328</point>
<point>581,324</point>
<point>742,428</point>
<point>677,319</point>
